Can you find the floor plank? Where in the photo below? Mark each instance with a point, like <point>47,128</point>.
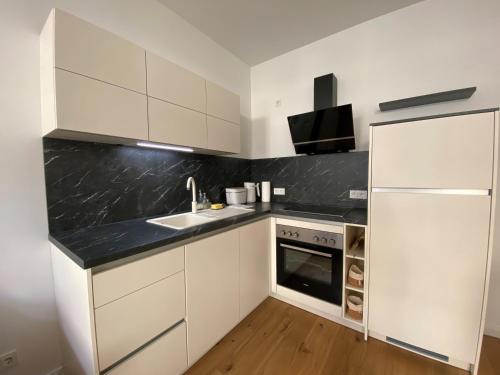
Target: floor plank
<point>277,338</point>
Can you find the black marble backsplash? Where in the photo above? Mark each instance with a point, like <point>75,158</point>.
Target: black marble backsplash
<point>316,179</point>
<point>89,184</point>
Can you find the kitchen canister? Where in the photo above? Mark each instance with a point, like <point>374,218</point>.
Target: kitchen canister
<point>266,191</point>
<point>253,191</point>
<point>236,195</point>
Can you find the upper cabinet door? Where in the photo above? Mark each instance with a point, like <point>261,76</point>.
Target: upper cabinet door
<point>170,123</point>
<point>86,49</point>
<point>223,135</point>
<point>222,103</point>
<point>170,82</point>
<point>87,106</point>
<point>450,153</point>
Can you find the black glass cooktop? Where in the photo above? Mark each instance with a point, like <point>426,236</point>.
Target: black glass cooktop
<point>315,209</point>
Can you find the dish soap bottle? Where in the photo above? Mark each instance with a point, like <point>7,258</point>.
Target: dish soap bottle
<point>206,202</point>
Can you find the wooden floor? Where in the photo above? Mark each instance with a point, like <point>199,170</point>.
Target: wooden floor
<point>279,339</point>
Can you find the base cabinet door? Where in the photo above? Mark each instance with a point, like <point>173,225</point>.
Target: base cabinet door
<point>254,265</point>
<point>428,255</point>
<point>166,355</point>
<point>212,291</point>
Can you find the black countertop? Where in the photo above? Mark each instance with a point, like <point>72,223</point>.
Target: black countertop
<point>95,246</point>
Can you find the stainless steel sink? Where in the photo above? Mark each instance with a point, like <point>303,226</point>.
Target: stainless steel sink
<point>189,219</point>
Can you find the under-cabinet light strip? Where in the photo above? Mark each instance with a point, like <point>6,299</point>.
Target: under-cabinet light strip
<point>164,147</point>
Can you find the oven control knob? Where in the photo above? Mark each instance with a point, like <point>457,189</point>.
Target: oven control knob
<point>324,240</point>
<point>316,239</point>
<point>283,232</point>
<point>295,235</point>
<point>289,234</point>
<point>332,241</point>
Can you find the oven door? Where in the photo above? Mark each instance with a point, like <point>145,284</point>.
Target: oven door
<point>310,269</point>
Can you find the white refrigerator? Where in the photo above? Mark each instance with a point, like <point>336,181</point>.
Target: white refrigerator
<point>432,190</point>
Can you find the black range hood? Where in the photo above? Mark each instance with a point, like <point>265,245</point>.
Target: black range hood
<point>328,128</point>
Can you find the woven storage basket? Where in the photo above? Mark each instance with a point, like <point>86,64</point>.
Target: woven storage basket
<point>355,276</point>
<point>355,307</point>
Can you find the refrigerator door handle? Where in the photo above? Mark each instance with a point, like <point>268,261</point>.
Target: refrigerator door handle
<point>482,192</point>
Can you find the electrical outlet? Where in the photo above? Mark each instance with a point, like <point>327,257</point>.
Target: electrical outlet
<point>279,191</point>
<point>358,194</point>
<point>8,360</point>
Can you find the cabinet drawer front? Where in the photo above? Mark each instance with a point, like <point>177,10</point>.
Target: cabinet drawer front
<point>170,123</point>
<point>451,152</point>
<point>124,325</point>
<point>223,135</point>
<point>86,49</point>
<point>170,82</point>
<point>222,103</point>
<point>90,106</point>
<point>165,356</point>
<point>120,281</point>
<point>428,257</point>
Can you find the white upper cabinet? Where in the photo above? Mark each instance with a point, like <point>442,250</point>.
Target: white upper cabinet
<point>168,81</point>
<point>222,103</point>
<point>87,106</point>
<point>93,83</point>
<point>96,86</point>
<point>450,152</point>
<point>169,123</point>
<point>223,135</point>
<point>83,48</point>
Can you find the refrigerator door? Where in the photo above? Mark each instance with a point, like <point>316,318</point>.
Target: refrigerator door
<point>450,153</point>
<point>428,255</point>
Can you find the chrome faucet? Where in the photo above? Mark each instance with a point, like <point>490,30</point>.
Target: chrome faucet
<point>191,185</point>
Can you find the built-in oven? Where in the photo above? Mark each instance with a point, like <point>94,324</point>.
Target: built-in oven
<point>310,261</point>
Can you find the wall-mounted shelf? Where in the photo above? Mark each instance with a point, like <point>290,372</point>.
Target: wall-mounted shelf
<point>438,97</point>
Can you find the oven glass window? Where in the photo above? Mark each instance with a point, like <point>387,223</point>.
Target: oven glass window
<point>308,266</point>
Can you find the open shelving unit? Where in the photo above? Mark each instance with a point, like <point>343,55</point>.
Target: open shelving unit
<point>355,253</point>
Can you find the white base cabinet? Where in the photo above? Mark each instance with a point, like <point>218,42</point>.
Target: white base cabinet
<point>212,291</point>
<point>162,312</point>
<point>254,265</point>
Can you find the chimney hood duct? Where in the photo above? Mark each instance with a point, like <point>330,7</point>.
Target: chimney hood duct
<point>325,92</point>
<point>329,128</point>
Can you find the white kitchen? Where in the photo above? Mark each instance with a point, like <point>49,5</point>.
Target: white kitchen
<point>231,187</point>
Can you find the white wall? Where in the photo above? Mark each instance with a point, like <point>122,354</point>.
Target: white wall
<point>27,312</point>
<point>432,46</point>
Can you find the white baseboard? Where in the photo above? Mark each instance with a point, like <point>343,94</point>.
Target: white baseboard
<point>492,331</point>
<point>57,371</point>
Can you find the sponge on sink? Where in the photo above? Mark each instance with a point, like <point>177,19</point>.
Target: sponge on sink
<point>217,206</point>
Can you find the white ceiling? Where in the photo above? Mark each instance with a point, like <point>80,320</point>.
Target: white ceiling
<point>258,30</point>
